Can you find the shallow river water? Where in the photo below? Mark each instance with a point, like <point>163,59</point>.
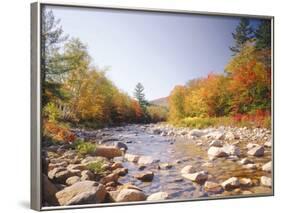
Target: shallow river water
<point>181,152</point>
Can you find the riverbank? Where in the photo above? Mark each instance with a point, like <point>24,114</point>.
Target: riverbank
<point>157,162</point>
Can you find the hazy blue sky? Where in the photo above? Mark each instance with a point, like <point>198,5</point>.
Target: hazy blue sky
<point>159,50</point>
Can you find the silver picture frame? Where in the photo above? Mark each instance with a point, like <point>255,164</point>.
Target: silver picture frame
<point>36,87</point>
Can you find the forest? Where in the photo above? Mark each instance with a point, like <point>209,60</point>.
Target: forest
<point>76,93</point>
<point>240,96</point>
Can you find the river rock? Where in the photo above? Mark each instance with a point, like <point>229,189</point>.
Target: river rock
<point>246,182</point>
<point>198,177</point>
<point>108,151</point>
<point>267,167</point>
<point>158,196</point>
<point>214,152</point>
<point>231,183</point>
<point>145,176</point>
<point>49,191</point>
<point>121,145</point>
<point>109,178</point>
<point>266,181</point>
<point>196,133</point>
<point>213,187</point>
<point>87,175</point>
<point>257,151</point>
<point>121,171</point>
<point>251,145</point>
<point>90,159</point>
<point>51,166</point>
<point>77,166</point>
<point>126,195</point>
<point>268,144</point>
<point>144,160</point>
<point>188,169</point>
<point>250,166</point>
<point>245,161</point>
<point>131,158</point>
<point>216,143</point>
<point>231,150</point>
<point>217,135</point>
<point>72,180</point>
<point>61,175</point>
<point>85,192</point>
<point>165,166</point>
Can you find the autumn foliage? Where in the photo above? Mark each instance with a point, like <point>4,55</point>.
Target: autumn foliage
<point>58,133</point>
<point>242,93</point>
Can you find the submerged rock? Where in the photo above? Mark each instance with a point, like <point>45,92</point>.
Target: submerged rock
<point>145,176</point>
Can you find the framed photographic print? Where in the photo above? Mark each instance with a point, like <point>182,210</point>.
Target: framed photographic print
<point>137,105</point>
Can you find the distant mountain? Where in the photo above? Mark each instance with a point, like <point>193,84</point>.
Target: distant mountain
<point>160,102</point>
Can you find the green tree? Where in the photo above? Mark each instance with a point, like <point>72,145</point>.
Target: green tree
<point>140,96</point>
<point>52,65</point>
<point>263,35</point>
<point>242,34</point>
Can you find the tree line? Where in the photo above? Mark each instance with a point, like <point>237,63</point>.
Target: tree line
<point>79,93</point>
<point>243,91</point>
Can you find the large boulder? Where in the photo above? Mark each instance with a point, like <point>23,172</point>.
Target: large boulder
<point>49,191</point>
<point>145,176</point>
<point>216,152</point>
<point>267,167</point>
<point>158,196</point>
<point>256,151</point>
<point>127,195</point>
<point>231,183</point>
<point>85,192</point>
<point>108,151</point>
<point>198,177</point>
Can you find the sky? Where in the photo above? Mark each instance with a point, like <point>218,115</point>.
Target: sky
<point>159,50</point>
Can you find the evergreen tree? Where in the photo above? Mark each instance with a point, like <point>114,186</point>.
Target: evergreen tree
<point>263,35</point>
<point>242,34</point>
<point>140,96</point>
<point>52,62</point>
